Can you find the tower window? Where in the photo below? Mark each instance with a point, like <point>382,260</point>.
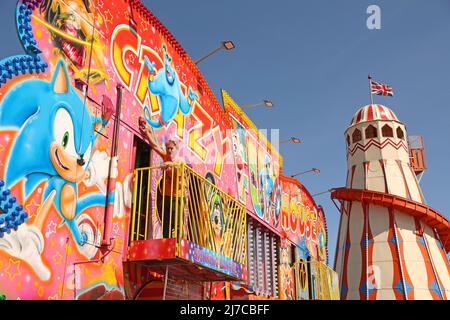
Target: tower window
<point>400,133</point>
<point>348,140</point>
<point>371,132</point>
<point>356,136</point>
<point>387,131</point>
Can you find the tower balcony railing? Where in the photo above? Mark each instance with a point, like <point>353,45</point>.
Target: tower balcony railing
<point>176,204</point>
<point>316,281</point>
<point>417,154</point>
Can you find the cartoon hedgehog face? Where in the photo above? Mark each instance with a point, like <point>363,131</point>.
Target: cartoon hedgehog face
<point>55,130</point>
<point>54,142</point>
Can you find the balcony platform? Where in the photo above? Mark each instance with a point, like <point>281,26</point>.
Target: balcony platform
<point>191,262</point>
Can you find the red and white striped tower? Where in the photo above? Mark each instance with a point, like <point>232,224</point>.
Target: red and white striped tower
<point>391,245</point>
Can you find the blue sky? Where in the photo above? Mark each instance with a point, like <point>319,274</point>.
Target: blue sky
<point>311,58</point>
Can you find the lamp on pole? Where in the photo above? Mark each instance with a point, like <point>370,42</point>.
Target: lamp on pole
<point>227,45</point>
<point>292,139</point>
<point>315,170</point>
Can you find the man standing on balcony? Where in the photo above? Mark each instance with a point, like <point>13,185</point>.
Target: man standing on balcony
<point>169,189</point>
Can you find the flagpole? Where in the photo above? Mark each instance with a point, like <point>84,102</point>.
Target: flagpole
<point>370,88</point>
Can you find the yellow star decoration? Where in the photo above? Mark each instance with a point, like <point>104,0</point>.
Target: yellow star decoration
<point>32,213</point>
<point>118,244</point>
<point>13,273</point>
<point>108,275</point>
<point>54,297</point>
<point>108,16</point>
<point>57,258</point>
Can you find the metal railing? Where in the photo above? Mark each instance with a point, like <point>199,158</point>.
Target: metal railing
<point>173,201</point>
<point>315,280</point>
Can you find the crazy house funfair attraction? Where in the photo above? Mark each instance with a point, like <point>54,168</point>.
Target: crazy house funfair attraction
<point>190,203</point>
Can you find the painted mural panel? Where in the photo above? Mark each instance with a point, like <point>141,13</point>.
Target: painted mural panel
<point>55,158</point>
<point>286,271</point>
<point>303,221</point>
<point>258,166</point>
<point>57,118</point>
<point>66,190</point>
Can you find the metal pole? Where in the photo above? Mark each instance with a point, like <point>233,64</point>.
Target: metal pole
<point>370,89</point>
<point>339,235</point>
<point>318,194</point>
<point>208,55</point>
<point>165,282</point>
<point>300,173</point>
<point>252,105</point>
<point>111,182</point>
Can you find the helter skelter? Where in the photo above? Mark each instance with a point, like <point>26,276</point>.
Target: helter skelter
<point>391,244</point>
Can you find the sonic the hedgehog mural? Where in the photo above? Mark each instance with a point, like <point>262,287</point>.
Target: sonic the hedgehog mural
<point>54,143</point>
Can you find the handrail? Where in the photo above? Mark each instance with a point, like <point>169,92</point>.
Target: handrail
<point>174,201</point>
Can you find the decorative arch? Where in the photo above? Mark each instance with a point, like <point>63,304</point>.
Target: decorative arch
<point>371,132</point>
<point>356,136</point>
<point>387,131</point>
<point>400,133</point>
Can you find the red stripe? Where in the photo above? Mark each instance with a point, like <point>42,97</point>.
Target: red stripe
<point>364,266</point>
<point>383,114</point>
<point>444,257</point>
<point>353,175</point>
<point>383,164</point>
<point>370,113</point>
<point>397,275</point>
<point>403,264</point>
<point>358,116</point>
<point>346,252</point>
<point>426,259</point>
<point>370,249</point>
<point>408,194</point>
<point>393,115</point>
<point>366,170</point>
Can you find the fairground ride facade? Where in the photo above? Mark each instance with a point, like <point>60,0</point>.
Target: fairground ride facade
<point>89,211</point>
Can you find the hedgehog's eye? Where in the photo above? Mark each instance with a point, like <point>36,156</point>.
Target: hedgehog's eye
<point>63,131</point>
<point>65,140</point>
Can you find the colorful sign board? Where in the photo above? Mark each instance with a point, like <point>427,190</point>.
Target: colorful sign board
<point>282,202</point>
<point>258,166</point>
<point>303,221</point>
<point>57,139</point>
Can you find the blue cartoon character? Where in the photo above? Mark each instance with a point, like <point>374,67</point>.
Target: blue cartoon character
<point>166,84</point>
<point>270,192</point>
<point>267,186</point>
<point>54,142</point>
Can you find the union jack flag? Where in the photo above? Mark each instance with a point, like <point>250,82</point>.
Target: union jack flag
<point>380,89</point>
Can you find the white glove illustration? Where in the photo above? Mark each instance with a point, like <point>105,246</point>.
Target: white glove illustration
<point>27,244</point>
<point>97,172</point>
